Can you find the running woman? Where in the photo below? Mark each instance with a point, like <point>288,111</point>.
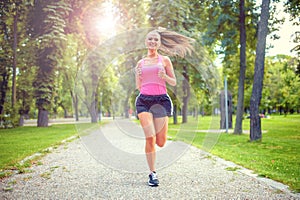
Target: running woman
<point>153,104</point>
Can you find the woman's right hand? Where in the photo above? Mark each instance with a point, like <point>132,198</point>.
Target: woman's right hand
<point>138,76</point>
<point>138,70</point>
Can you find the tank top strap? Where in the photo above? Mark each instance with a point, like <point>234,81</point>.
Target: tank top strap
<point>160,59</point>
<point>143,62</point>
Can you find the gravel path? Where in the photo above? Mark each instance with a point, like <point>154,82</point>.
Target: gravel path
<point>109,163</point>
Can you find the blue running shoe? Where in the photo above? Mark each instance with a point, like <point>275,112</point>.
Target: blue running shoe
<point>153,181</point>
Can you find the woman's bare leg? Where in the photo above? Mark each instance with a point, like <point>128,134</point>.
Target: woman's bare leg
<point>161,129</point>
<point>146,120</point>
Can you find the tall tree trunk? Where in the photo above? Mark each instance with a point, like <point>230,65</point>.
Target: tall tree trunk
<point>240,105</point>
<point>186,95</point>
<point>42,118</point>
<point>126,107</point>
<point>65,112</point>
<point>21,120</point>
<point>94,108</point>
<point>14,70</point>
<point>3,90</point>
<point>75,102</point>
<point>91,98</point>
<point>175,121</point>
<point>93,112</point>
<point>255,122</point>
<point>175,118</point>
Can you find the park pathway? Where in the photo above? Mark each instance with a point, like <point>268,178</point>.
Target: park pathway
<point>109,163</point>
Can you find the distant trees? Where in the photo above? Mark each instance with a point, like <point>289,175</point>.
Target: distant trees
<point>281,85</point>
<point>47,47</point>
<point>195,73</point>
<point>15,58</point>
<point>292,7</point>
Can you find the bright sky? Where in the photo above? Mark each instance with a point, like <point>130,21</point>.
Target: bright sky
<point>285,43</point>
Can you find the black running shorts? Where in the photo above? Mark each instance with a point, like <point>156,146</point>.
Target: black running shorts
<point>158,105</point>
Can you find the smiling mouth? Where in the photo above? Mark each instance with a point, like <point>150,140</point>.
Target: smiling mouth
<point>152,45</point>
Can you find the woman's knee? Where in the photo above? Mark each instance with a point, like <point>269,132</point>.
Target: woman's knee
<point>161,143</point>
<point>150,144</point>
<point>161,140</point>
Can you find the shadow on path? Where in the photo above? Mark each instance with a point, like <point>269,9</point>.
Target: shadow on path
<point>120,145</point>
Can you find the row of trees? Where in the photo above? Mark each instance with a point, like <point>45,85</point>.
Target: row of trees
<point>54,58</point>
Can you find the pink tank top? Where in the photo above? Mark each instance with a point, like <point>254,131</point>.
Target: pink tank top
<point>152,84</point>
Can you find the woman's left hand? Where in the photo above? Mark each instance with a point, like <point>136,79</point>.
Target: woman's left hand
<point>162,74</point>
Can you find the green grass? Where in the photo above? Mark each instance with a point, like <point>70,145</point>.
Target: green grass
<point>19,143</point>
<point>276,156</point>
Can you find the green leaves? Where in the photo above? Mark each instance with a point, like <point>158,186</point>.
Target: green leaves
<point>54,24</point>
<point>50,34</point>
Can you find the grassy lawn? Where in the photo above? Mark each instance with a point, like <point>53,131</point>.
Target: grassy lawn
<point>18,143</point>
<point>21,142</point>
<point>276,157</point>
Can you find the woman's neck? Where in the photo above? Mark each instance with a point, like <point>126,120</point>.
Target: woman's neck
<point>152,54</point>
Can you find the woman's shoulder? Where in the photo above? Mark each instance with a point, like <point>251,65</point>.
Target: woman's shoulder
<point>140,62</point>
<point>165,59</point>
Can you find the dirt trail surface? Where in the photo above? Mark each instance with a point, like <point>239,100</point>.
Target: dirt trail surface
<point>109,163</point>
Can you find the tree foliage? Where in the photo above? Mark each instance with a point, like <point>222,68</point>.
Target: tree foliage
<point>14,55</point>
<point>47,23</point>
<point>56,43</point>
<point>197,71</point>
<point>281,91</point>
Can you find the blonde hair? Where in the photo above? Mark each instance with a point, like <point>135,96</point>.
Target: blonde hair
<point>173,43</point>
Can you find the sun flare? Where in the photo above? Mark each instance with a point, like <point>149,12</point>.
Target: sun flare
<point>106,23</point>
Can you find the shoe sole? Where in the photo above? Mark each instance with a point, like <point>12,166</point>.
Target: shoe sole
<point>153,185</point>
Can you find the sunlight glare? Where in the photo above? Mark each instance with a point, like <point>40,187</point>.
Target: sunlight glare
<point>106,24</point>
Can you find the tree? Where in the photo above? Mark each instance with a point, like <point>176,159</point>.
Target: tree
<point>255,121</point>
<point>125,74</point>
<point>240,104</point>
<point>69,67</point>
<point>15,43</point>
<point>47,23</point>
<point>186,93</point>
<point>178,17</point>
<point>225,18</point>
<point>25,79</point>
<point>13,39</point>
<point>292,7</point>
<point>281,85</point>
<point>13,10</point>
<point>5,41</point>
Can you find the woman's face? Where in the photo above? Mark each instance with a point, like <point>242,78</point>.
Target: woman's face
<point>153,41</point>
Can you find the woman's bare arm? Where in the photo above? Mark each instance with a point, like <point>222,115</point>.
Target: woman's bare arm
<point>168,75</point>
<point>138,73</point>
